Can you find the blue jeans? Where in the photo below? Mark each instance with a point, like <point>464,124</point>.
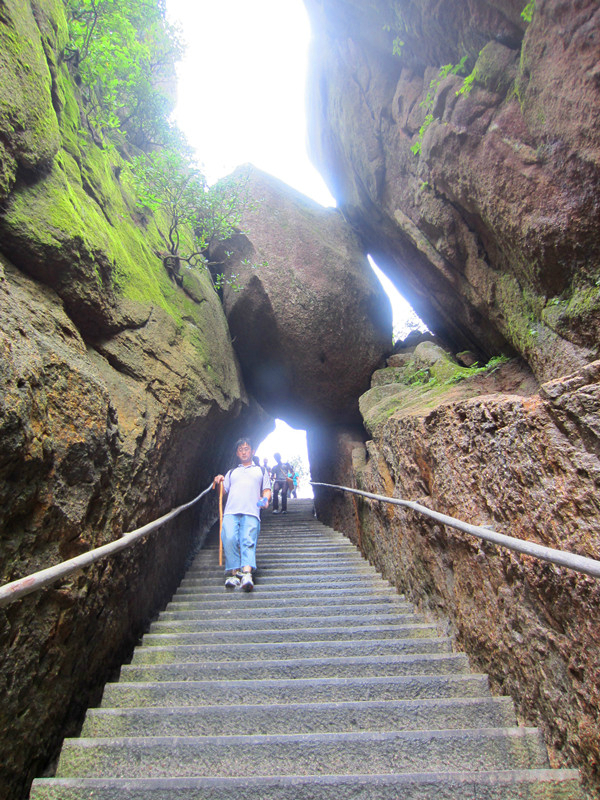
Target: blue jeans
<point>239,534</point>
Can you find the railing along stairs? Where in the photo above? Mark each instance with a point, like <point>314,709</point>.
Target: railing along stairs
<point>322,682</point>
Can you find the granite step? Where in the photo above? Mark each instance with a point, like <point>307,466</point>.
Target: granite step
<point>542,784</point>
<point>321,683</point>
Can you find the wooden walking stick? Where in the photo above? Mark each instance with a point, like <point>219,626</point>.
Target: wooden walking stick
<point>221,524</point>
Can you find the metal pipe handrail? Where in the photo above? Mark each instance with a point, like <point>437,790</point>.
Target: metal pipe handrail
<point>45,577</point>
<point>589,566</point>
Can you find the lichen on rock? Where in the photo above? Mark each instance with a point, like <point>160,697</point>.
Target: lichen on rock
<point>120,395</point>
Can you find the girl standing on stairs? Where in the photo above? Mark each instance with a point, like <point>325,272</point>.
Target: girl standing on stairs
<point>248,490</point>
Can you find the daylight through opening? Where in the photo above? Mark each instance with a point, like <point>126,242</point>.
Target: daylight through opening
<point>291,445</point>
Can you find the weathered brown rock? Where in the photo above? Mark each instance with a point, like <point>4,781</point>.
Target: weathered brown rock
<point>491,230</point>
<point>311,320</point>
<point>494,451</point>
<point>93,442</point>
<point>120,395</point>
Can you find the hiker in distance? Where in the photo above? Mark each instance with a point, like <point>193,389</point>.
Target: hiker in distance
<point>279,473</point>
<point>248,490</point>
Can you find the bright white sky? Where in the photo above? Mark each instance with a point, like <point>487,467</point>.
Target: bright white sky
<point>241,98</point>
<point>241,88</point>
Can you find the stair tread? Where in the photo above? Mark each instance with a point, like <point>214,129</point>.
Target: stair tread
<point>433,664</point>
<point>343,687</point>
<point>302,717</point>
<point>477,748</point>
<point>484,785</point>
<point>236,691</point>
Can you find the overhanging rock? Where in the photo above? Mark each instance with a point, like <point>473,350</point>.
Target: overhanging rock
<point>311,322</point>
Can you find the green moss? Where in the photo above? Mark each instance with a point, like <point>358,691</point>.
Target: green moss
<point>522,314</point>
<point>76,226</point>
<point>28,123</point>
<point>376,409</point>
<point>416,388</point>
<point>387,375</point>
<point>574,311</point>
<point>494,68</point>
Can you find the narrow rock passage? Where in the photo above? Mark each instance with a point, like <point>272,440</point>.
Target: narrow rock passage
<point>321,683</point>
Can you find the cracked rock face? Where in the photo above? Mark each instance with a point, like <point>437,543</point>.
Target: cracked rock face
<point>93,443</point>
<point>495,450</point>
<point>120,395</point>
<point>311,321</point>
<point>479,197</point>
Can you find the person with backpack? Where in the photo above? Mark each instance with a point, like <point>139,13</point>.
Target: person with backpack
<point>279,474</point>
<point>248,490</point>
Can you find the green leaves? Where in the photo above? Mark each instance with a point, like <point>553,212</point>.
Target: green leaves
<point>124,52</point>
<point>169,182</point>
<point>123,55</point>
<point>427,103</point>
<point>527,12</point>
<point>467,84</point>
<point>416,147</point>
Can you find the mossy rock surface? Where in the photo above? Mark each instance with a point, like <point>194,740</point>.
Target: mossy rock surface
<point>381,377</point>
<point>29,127</point>
<point>496,67</point>
<point>429,379</point>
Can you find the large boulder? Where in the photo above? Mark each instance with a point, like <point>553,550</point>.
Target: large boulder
<point>478,197</point>
<point>310,321</point>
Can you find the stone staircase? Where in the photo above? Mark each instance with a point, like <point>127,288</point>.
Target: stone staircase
<point>322,683</point>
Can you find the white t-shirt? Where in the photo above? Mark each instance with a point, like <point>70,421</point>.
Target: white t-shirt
<point>244,487</point>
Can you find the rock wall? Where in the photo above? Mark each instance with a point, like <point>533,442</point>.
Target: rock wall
<point>460,140</point>
<point>488,225</point>
<point>493,450</point>
<point>120,394</point>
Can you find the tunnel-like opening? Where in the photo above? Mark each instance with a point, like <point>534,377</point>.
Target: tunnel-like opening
<point>291,444</point>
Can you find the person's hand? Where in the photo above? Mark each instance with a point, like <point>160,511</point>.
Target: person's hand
<point>263,502</point>
<point>218,479</point>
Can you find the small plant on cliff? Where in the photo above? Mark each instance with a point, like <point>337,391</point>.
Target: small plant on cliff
<point>422,377</point>
<point>467,84</point>
<point>527,12</point>
<point>399,28</point>
<point>416,147</point>
<point>169,183</point>
<point>427,103</point>
<point>123,53</point>
<point>463,373</point>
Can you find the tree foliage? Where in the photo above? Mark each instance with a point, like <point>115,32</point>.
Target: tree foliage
<point>168,181</point>
<point>124,53</point>
<point>301,467</point>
